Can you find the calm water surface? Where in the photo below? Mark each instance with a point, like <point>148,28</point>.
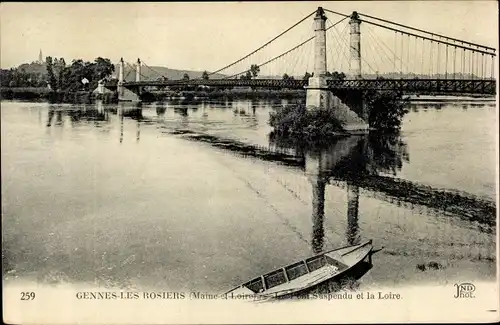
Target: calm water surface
<point>107,195</point>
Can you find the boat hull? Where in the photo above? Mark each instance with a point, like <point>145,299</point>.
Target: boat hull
<point>337,263</point>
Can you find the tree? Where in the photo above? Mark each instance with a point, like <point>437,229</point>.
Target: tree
<point>185,76</point>
<point>287,77</point>
<point>103,68</point>
<point>59,66</point>
<point>50,72</point>
<point>246,76</point>
<point>254,70</point>
<point>205,75</point>
<point>387,109</point>
<point>336,75</point>
<point>307,75</point>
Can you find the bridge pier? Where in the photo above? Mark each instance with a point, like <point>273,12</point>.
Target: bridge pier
<point>125,94</point>
<point>318,94</point>
<point>355,42</point>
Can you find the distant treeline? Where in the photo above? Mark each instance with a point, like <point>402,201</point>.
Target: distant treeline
<point>45,94</point>
<point>55,74</point>
<point>226,94</point>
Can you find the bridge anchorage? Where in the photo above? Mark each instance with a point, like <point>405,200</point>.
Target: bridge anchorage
<point>418,62</point>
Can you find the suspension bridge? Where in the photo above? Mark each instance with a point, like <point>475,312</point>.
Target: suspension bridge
<point>363,53</point>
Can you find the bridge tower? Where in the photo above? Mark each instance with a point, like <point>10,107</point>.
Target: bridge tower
<point>355,40</point>
<point>125,94</point>
<point>138,71</point>
<point>318,94</point>
<point>317,88</point>
<point>121,67</point>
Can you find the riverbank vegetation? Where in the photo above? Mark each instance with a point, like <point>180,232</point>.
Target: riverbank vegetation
<point>46,94</point>
<point>229,94</point>
<point>386,110</point>
<point>296,121</point>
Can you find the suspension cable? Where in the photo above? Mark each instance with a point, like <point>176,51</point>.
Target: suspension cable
<point>401,60</point>
<point>430,63</point>
<point>348,46</point>
<point>290,50</point>
<point>153,70</point>
<point>260,48</point>
<point>378,41</point>
<point>337,13</point>
<point>446,64</point>
<point>433,34</point>
<point>395,45</point>
<point>423,54</point>
<point>438,61</point>
<point>428,38</point>
<point>390,50</point>
<point>454,62</point>
<point>408,58</point>
<point>463,65</point>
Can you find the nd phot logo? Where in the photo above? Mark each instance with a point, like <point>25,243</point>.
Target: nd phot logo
<point>465,290</point>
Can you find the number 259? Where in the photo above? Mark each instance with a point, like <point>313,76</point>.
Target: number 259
<point>27,295</point>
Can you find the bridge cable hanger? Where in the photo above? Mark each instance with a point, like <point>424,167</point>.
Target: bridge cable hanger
<point>415,29</point>
<point>433,34</point>
<point>428,38</point>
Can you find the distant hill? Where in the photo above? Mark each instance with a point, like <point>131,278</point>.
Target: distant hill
<point>171,74</point>
<point>174,74</point>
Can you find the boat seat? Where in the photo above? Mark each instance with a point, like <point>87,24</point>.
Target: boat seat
<point>333,259</point>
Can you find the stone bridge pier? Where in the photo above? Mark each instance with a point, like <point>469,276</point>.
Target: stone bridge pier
<point>351,114</point>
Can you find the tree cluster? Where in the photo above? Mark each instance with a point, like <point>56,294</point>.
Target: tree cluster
<point>70,77</point>
<point>16,77</point>
<point>331,75</point>
<point>56,73</point>
<point>297,121</point>
<point>253,72</point>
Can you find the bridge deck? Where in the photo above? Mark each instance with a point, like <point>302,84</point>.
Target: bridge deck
<point>415,86</point>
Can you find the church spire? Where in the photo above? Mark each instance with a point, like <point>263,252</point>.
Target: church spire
<point>40,57</point>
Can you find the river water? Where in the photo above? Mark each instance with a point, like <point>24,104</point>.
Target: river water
<point>130,197</point>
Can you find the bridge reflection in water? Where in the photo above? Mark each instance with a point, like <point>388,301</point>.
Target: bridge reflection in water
<point>346,160</point>
<point>358,165</point>
<point>351,163</point>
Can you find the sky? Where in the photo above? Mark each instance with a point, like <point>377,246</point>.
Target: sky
<point>209,35</point>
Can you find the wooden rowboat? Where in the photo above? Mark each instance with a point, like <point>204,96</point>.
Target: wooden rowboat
<point>304,274</point>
